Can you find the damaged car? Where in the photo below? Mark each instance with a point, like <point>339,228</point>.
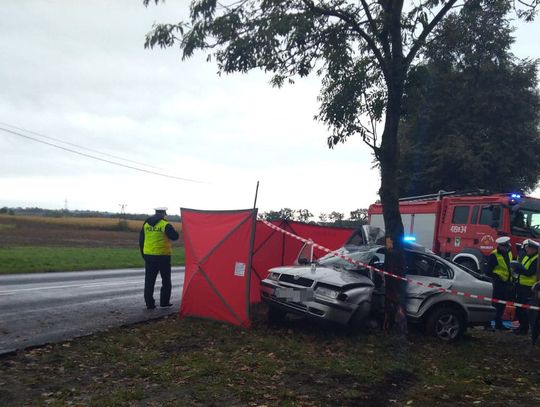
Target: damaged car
<point>333,289</point>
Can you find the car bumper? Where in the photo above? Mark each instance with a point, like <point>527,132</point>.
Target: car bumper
<point>318,308</point>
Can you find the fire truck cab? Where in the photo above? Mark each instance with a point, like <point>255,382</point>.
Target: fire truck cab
<point>463,226</point>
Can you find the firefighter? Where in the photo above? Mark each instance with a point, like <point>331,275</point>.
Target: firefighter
<point>498,268</point>
<point>155,244</point>
<point>525,279</point>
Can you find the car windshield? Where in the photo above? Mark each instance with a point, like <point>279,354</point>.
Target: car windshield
<point>525,222</point>
<point>363,255</point>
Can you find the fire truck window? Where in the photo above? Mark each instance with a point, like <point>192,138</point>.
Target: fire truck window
<point>461,215</point>
<point>486,216</point>
<point>474,215</point>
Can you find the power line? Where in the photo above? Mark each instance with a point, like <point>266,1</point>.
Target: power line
<point>78,146</point>
<point>101,159</point>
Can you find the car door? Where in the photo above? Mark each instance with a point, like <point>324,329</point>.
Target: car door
<point>427,270</point>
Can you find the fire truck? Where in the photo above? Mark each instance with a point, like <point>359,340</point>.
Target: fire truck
<point>463,227</point>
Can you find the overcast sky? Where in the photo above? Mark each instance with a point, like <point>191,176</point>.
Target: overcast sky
<point>77,71</point>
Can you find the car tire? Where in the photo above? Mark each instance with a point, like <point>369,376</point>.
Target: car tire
<point>358,323</point>
<point>446,323</point>
<point>470,264</point>
<point>276,315</point>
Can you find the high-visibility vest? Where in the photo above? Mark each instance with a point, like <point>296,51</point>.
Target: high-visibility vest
<point>156,242</point>
<point>501,269</point>
<point>528,281</point>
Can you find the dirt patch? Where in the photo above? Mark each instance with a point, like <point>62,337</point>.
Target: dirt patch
<point>387,391</point>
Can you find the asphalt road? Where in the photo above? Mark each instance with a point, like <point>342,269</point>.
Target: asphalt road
<point>36,309</point>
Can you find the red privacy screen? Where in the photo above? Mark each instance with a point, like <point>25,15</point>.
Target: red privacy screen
<point>218,246</point>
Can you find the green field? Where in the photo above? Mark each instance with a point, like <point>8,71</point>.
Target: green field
<point>37,243</point>
<point>43,259</point>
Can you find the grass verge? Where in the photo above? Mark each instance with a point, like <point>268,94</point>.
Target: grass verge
<point>44,259</point>
<point>175,362</point>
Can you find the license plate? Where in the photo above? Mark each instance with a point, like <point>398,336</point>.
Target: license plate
<point>291,294</point>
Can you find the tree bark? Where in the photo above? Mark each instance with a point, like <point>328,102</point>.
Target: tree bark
<point>388,155</point>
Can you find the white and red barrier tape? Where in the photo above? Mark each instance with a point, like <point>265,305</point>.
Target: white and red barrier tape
<point>406,279</point>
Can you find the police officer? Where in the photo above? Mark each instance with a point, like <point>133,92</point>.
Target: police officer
<point>498,268</point>
<point>155,244</point>
<point>525,279</point>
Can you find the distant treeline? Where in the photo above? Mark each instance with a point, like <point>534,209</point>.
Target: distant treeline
<point>58,213</point>
<point>356,218</point>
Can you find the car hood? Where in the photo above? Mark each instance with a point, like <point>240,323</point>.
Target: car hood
<point>325,275</point>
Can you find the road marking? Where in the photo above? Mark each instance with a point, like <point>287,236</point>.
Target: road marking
<point>10,292</point>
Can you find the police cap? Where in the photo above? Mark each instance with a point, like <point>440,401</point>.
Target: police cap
<point>503,240</point>
<point>161,209</point>
<point>530,243</point>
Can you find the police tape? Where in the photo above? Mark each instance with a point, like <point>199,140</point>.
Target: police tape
<point>406,279</point>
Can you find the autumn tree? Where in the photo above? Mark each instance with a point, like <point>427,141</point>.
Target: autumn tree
<point>359,215</point>
<point>282,214</point>
<point>471,114</point>
<point>303,215</point>
<point>361,49</point>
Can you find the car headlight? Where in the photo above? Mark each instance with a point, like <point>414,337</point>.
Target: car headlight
<point>273,276</point>
<point>327,292</point>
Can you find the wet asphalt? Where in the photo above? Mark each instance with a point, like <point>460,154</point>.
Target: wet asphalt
<point>41,308</point>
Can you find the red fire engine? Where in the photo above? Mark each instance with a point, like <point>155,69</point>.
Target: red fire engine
<point>463,226</point>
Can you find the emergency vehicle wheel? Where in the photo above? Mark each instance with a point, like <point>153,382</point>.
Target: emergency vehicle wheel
<point>275,315</point>
<point>446,323</point>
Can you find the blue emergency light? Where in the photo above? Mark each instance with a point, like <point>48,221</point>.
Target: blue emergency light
<point>514,198</point>
<point>409,238</point>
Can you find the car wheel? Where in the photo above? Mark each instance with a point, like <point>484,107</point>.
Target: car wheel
<point>470,264</point>
<point>358,323</point>
<point>275,315</point>
<point>446,323</point>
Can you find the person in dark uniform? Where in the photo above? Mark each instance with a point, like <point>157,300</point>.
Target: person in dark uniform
<point>525,277</point>
<point>498,268</point>
<point>155,244</point>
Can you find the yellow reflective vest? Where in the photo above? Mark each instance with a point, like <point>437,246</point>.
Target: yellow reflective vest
<point>501,269</point>
<point>528,281</point>
<point>156,242</point>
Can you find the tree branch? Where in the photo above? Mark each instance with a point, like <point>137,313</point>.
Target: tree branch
<point>427,30</point>
<point>376,32</point>
<point>355,26</point>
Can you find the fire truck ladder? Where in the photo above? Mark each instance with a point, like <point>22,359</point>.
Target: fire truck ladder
<point>440,194</point>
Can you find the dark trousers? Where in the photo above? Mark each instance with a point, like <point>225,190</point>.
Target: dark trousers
<point>535,320</point>
<point>152,266</point>
<point>501,291</point>
<point>523,296</point>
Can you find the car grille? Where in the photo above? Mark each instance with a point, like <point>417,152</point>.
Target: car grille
<point>304,282</point>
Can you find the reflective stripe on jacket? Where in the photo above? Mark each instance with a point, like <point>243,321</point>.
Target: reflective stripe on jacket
<point>156,242</point>
<point>501,269</point>
<point>528,281</point>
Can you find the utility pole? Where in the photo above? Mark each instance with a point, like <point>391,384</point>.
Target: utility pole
<point>122,211</point>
